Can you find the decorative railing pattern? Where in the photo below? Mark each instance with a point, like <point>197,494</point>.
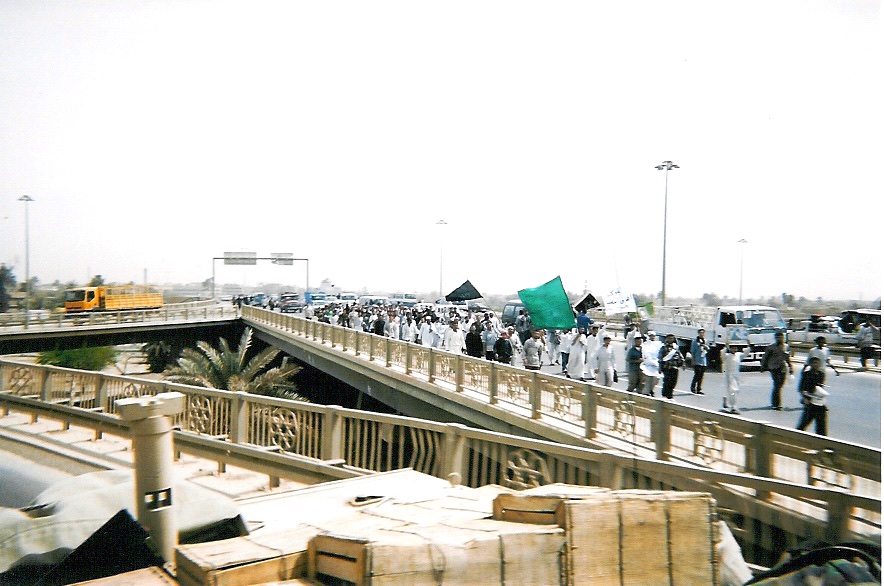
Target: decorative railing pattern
<point>832,496</point>
<point>638,424</point>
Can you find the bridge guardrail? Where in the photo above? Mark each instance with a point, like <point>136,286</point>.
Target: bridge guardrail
<point>768,513</point>
<point>167,313</point>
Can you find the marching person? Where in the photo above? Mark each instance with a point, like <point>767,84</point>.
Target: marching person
<point>650,366</point>
<point>671,359</point>
<point>603,361</point>
<point>532,351</point>
<point>731,364</point>
<point>821,351</point>
<point>813,397</point>
<point>503,349</point>
<point>634,382</point>
<point>864,338</point>
<point>699,352</point>
<point>577,356</point>
<point>776,359</point>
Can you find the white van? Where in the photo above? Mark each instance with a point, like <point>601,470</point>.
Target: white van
<point>373,300</point>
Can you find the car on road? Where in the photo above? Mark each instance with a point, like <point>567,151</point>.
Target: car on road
<point>290,303</point>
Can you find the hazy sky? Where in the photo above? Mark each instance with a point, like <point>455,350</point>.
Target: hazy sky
<point>156,135</point>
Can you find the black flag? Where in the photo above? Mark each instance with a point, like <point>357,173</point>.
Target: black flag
<point>464,293</point>
<point>587,303</point>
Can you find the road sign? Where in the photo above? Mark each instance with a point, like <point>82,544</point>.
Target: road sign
<point>282,258</point>
<point>240,258</point>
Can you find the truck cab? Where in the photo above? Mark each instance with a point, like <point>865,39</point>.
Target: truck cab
<point>747,328</point>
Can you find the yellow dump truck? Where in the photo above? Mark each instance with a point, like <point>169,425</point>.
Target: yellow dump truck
<point>112,298</point>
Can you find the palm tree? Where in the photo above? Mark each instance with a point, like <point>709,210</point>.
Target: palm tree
<point>225,369</point>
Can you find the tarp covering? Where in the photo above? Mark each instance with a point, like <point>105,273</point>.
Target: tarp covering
<point>588,302</point>
<point>63,516</point>
<point>549,306</point>
<point>464,293</point>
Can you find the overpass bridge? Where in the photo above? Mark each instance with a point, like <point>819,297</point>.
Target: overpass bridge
<point>775,486</point>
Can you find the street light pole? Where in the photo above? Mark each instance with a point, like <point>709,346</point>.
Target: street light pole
<point>742,241</point>
<point>441,223</point>
<point>27,199</point>
<point>667,166</point>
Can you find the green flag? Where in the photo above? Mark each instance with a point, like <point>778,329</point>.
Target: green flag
<point>549,306</point>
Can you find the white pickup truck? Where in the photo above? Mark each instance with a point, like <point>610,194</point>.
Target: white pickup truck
<point>829,327</point>
<point>748,328</point>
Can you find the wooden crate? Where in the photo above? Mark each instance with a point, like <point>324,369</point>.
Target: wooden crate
<point>641,538</point>
<point>243,561</point>
<point>539,505</point>
<point>482,552</point>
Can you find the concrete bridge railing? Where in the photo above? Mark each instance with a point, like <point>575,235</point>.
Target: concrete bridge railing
<point>766,514</point>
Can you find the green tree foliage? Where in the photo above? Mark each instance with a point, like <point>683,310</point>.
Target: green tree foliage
<point>86,358</point>
<point>7,284</point>
<point>223,368</point>
<point>160,355</point>
<point>96,281</point>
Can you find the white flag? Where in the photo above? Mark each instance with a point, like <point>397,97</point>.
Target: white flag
<point>619,302</point>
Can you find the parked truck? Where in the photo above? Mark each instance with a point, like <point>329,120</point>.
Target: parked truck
<point>112,298</point>
<point>749,329</point>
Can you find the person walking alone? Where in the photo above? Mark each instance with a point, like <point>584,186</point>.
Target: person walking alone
<point>864,338</point>
<point>776,360</point>
<point>699,352</point>
<point>731,364</point>
<point>813,397</point>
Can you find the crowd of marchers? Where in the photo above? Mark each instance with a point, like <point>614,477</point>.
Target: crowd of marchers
<point>584,352</point>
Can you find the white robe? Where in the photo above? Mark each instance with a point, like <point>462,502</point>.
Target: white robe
<point>577,357</point>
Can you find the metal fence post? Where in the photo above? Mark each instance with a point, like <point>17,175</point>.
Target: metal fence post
<point>388,352</point>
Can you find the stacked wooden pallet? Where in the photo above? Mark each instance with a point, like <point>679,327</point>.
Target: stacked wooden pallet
<point>557,534</point>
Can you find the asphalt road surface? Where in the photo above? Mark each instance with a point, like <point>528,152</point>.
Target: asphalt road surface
<point>854,401</point>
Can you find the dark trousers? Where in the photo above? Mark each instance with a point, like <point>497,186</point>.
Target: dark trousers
<point>817,414</point>
<point>670,379</point>
<point>697,381</point>
<point>565,361</point>
<point>779,379</point>
<point>490,355</point>
<point>866,353</point>
<point>634,382</point>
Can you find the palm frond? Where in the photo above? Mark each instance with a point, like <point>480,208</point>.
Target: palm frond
<point>259,363</point>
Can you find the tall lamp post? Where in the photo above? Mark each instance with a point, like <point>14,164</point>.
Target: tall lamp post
<point>441,223</point>
<point>665,166</point>
<point>27,199</point>
<point>742,241</point>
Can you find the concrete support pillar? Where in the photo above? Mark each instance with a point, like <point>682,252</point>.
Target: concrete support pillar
<point>150,421</point>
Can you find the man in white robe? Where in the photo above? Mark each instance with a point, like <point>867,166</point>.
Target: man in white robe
<point>650,365</point>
